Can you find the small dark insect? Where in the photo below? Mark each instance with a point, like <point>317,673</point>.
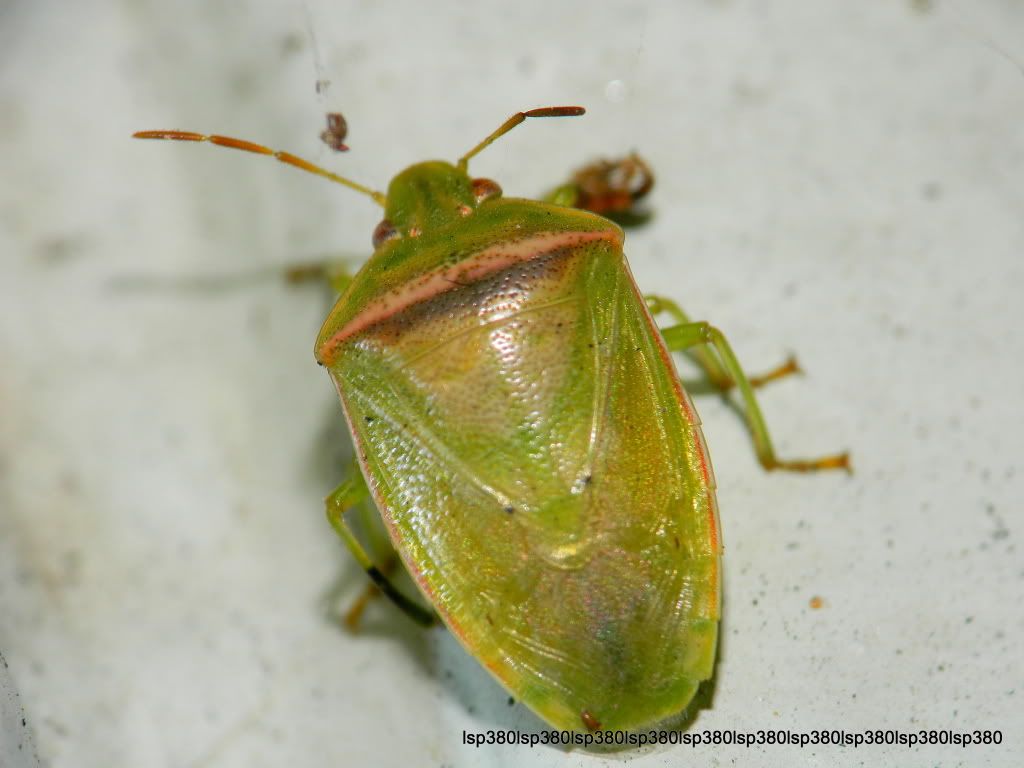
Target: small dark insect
<point>337,130</point>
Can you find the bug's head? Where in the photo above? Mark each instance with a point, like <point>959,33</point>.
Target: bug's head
<point>429,196</point>
<point>432,194</point>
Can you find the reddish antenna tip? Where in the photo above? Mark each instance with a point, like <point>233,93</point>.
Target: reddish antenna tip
<point>555,112</point>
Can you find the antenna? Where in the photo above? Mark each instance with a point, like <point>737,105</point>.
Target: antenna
<point>248,146</point>
<point>515,120</point>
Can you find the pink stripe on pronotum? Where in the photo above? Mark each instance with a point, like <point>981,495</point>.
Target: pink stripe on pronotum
<point>478,266</point>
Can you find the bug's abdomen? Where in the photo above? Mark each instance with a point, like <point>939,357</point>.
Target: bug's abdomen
<point>545,484</point>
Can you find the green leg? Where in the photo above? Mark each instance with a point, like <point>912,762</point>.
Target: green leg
<point>566,194</point>
<point>334,273</point>
<point>349,494</point>
<point>689,335</point>
<point>703,356</point>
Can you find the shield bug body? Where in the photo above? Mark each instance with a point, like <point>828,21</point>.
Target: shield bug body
<point>521,427</point>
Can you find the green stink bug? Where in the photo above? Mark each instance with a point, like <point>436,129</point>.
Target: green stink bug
<point>520,425</point>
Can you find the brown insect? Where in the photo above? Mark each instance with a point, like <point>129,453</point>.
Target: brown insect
<point>613,186</point>
<point>337,130</point>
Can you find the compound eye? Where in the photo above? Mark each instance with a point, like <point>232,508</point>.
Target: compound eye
<point>383,232</point>
<point>485,189</point>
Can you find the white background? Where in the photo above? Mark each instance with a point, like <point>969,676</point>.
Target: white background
<point>842,180</point>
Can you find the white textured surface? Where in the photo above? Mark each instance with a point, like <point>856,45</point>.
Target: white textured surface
<point>844,180</point>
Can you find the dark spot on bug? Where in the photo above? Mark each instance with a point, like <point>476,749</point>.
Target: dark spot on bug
<point>369,419</point>
<point>510,509</point>
<point>511,703</point>
<point>588,479</point>
<point>590,722</point>
<point>484,189</point>
<point>384,232</point>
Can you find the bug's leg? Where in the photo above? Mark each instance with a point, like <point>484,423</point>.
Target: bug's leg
<point>354,614</point>
<point>349,494</point>
<point>334,273</point>
<point>688,335</point>
<point>705,359</point>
